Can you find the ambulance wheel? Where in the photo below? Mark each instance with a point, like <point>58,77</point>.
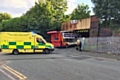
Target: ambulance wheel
<point>46,51</point>
<point>15,52</point>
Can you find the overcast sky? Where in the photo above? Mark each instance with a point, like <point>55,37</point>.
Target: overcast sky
<point>17,7</point>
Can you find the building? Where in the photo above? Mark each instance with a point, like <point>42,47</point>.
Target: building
<point>79,27</point>
<point>86,27</point>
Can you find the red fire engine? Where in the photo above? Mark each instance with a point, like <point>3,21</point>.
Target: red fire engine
<point>62,38</point>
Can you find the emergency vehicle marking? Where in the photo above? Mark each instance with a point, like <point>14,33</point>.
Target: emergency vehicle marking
<point>23,45</point>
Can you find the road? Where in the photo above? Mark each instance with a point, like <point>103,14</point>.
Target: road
<point>63,64</point>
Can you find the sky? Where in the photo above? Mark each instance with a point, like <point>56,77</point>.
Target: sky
<point>18,7</point>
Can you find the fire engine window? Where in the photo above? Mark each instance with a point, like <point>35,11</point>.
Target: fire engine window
<point>55,38</point>
<point>69,40</point>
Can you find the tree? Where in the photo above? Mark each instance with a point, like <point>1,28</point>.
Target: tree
<point>4,16</point>
<point>46,15</point>
<point>14,24</point>
<point>0,26</point>
<point>108,11</point>
<point>82,11</point>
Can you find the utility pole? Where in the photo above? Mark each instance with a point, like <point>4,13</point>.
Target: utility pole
<point>98,34</point>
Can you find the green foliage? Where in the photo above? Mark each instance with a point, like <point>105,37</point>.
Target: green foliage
<point>0,26</point>
<point>82,11</point>
<point>4,16</point>
<point>46,15</point>
<point>108,11</point>
<point>14,24</point>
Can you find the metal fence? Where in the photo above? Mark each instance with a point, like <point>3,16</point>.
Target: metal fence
<point>102,44</point>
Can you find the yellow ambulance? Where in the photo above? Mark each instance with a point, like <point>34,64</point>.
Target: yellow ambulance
<point>23,42</point>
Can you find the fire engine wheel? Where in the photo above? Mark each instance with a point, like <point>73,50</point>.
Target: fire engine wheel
<point>46,51</point>
<point>66,46</point>
<point>15,52</point>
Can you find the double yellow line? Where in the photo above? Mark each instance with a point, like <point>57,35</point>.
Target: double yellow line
<point>15,73</point>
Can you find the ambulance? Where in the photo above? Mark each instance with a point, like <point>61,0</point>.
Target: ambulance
<point>24,42</point>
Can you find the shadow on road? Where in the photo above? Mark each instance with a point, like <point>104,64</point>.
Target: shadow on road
<point>28,54</point>
<point>65,47</point>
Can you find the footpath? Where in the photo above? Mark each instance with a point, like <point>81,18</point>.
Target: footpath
<point>95,54</point>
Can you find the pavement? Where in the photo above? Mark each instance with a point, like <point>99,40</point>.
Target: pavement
<point>93,54</point>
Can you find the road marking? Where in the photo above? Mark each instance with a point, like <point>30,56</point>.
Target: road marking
<point>15,73</point>
<point>9,76</point>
